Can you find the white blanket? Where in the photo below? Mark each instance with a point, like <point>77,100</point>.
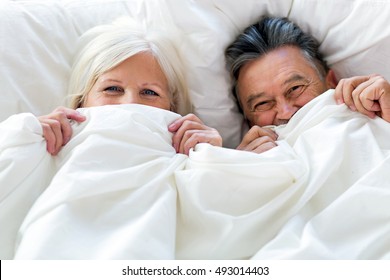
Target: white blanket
<point>118,190</point>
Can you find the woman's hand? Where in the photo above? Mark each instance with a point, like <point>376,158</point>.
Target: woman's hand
<point>189,131</point>
<point>369,95</point>
<point>57,130</point>
<point>258,140</point>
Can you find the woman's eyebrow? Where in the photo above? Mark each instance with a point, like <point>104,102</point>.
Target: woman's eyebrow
<point>156,84</point>
<point>151,84</point>
<point>109,80</point>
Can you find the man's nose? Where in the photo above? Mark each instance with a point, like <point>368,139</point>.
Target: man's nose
<point>285,110</point>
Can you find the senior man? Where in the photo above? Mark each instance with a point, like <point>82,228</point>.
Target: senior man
<point>277,68</point>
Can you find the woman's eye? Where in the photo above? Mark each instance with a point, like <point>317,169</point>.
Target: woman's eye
<point>149,92</point>
<point>113,89</point>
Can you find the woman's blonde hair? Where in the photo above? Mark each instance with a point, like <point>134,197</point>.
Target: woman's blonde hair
<point>104,47</point>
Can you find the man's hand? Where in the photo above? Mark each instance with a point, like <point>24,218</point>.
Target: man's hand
<point>258,140</point>
<point>369,95</point>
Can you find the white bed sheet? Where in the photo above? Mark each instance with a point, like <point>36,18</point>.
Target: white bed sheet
<point>118,190</point>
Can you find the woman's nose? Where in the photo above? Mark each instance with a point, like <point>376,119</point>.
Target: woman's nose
<point>131,97</point>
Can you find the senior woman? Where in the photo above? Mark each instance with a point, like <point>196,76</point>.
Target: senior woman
<point>125,63</point>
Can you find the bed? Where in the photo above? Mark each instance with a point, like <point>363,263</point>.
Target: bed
<point>111,194</point>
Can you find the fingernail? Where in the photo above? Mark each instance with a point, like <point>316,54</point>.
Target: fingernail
<point>172,125</point>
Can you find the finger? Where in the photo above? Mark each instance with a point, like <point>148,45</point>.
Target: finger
<point>362,101</point>
<point>189,143</point>
<point>257,132</point>
<point>184,140</point>
<point>63,115</point>
<point>69,113</point>
<point>174,126</point>
<point>75,115</point>
<point>67,131</point>
<point>348,86</point>
<point>270,133</point>
<point>264,147</point>
<point>60,126</point>
<point>338,92</point>
<point>370,96</point>
<point>56,128</point>
<point>363,105</point>
<point>194,137</point>
<point>256,143</point>
<point>185,127</point>
<point>50,138</point>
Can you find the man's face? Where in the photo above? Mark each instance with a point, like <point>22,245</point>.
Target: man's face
<point>275,86</point>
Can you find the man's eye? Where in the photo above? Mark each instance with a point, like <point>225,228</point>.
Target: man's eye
<point>264,106</point>
<point>295,91</point>
<point>149,92</point>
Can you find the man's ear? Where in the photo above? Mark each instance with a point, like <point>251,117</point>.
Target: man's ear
<point>331,80</point>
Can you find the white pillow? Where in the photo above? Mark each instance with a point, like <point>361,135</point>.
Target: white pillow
<point>354,35</point>
<point>38,40</point>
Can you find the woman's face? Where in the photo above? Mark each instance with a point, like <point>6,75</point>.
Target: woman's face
<point>137,80</point>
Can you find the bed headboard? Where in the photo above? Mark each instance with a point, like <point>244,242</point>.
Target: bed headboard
<point>37,40</point>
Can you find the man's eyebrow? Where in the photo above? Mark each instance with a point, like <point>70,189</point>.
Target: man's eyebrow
<point>253,97</point>
<point>295,78</point>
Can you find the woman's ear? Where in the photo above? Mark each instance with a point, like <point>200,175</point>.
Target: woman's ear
<point>331,80</point>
